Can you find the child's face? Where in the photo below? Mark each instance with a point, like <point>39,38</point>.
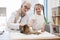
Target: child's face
<point>38,9</point>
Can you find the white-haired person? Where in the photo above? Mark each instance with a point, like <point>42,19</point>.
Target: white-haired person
<point>19,17</point>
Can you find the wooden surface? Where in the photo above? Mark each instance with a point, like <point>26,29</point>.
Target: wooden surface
<point>51,38</point>
<point>56,15</point>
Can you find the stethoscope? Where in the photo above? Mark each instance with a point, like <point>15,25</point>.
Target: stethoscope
<point>21,17</point>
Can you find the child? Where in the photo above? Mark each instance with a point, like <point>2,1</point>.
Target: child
<point>37,21</point>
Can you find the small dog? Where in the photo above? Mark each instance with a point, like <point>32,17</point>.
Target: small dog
<point>26,30</point>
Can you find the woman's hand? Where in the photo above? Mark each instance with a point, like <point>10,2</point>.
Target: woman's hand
<point>31,22</point>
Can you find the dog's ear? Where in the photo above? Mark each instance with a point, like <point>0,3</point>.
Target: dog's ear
<point>26,29</point>
<point>26,26</point>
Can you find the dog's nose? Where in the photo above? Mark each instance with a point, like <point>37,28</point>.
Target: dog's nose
<point>21,31</point>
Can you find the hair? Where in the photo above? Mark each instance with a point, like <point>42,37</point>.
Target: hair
<point>42,7</point>
<point>23,4</point>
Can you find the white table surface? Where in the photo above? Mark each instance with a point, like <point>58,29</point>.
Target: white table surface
<point>8,35</point>
<point>17,35</point>
<point>5,35</point>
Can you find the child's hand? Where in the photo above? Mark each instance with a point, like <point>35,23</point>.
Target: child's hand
<point>22,24</point>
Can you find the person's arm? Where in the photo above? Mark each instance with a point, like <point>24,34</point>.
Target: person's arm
<point>16,17</point>
<point>43,27</point>
<point>31,22</point>
<point>10,22</point>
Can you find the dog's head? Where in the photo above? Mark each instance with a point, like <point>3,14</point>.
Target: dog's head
<point>21,28</point>
<point>24,29</point>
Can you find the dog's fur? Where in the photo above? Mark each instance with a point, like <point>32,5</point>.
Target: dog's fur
<point>25,29</point>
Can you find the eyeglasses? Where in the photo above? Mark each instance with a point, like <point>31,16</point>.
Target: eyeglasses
<point>26,7</point>
<point>37,8</point>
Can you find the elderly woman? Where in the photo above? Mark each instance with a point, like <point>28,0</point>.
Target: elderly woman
<point>19,17</point>
<point>37,21</point>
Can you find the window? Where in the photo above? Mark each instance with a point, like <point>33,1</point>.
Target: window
<point>2,11</point>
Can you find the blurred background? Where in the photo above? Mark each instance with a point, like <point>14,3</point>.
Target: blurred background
<point>51,11</point>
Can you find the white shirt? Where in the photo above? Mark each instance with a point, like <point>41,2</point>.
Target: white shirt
<point>12,25</point>
<point>38,21</point>
<point>24,19</point>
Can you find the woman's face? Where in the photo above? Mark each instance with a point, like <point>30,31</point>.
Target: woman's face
<point>25,8</point>
<point>38,9</point>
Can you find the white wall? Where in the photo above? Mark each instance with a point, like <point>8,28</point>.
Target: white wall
<point>49,10</point>
<point>2,19</point>
<point>55,3</point>
<point>51,4</point>
<point>11,6</point>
